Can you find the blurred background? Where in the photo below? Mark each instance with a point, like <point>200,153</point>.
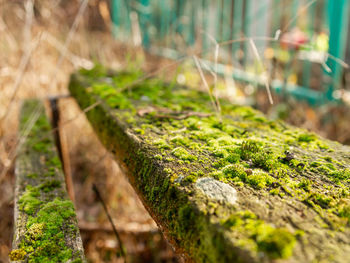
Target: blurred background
<point>298,51</point>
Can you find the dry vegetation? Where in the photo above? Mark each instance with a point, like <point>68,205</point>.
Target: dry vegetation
<point>33,63</point>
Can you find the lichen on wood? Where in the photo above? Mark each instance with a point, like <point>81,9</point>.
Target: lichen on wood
<point>291,187</point>
<point>45,220</point>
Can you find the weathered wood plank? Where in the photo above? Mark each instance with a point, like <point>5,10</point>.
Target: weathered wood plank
<point>45,220</point>
<point>236,189</point>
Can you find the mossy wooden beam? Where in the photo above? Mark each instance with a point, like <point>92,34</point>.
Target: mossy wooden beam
<point>45,220</point>
<point>231,188</point>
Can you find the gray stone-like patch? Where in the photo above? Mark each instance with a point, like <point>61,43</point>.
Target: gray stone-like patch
<point>217,190</point>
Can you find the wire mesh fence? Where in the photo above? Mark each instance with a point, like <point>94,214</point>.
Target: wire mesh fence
<point>302,44</point>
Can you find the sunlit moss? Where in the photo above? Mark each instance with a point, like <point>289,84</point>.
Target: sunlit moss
<point>17,255</point>
<point>183,154</point>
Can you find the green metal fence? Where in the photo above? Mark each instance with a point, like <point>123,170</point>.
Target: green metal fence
<point>292,38</point>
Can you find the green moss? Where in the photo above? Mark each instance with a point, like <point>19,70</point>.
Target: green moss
<point>232,158</point>
<point>182,154</point>
<point>340,175</point>
<point>328,158</point>
<point>186,217</point>
<point>190,178</point>
<point>264,161</point>
<point>277,243</point>
<point>49,185</point>
<point>319,199</point>
<point>158,157</point>
<point>280,172</point>
<point>113,98</point>
<point>305,184</point>
<point>306,137</point>
<point>45,240</point>
<point>274,191</point>
<point>32,175</point>
<point>259,179</point>
<point>344,212</point>
<point>35,231</point>
<point>43,146</point>
<point>220,152</point>
<point>54,162</point>
<point>139,131</point>
<point>168,171</point>
<point>235,170</point>
<point>29,201</point>
<point>248,148</point>
<point>98,71</point>
<point>181,140</point>
<point>46,225</point>
<point>217,175</point>
<point>162,144</point>
<point>260,158</point>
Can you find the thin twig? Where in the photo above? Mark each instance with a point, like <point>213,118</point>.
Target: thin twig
<point>257,56</point>
<point>74,59</point>
<point>216,58</point>
<point>25,61</point>
<point>15,149</point>
<point>21,71</point>
<point>298,14</point>
<point>153,73</point>
<point>9,36</point>
<point>201,74</point>
<point>121,247</point>
<point>169,114</point>
<point>27,31</point>
<point>71,33</point>
<point>223,43</point>
<point>183,116</point>
<point>14,152</point>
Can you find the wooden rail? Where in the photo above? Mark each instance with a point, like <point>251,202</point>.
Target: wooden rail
<point>45,220</point>
<point>230,188</point>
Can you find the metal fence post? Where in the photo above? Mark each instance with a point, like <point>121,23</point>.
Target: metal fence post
<point>145,20</point>
<point>338,19</point>
<point>237,27</point>
<point>115,16</point>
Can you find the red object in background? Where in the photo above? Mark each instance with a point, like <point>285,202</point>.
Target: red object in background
<point>294,39</point>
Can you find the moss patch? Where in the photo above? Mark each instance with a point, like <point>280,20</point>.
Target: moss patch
<point>46,222</point>
<point>45,240</point>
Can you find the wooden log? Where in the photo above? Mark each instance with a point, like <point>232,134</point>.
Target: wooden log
<point>231,188</point>
<point>45,221</point>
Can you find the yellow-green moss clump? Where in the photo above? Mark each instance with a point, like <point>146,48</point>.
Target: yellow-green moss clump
<point>289,180</point>
<point>17,255</point>
<point>278,243</point>
<point>45,239</point>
